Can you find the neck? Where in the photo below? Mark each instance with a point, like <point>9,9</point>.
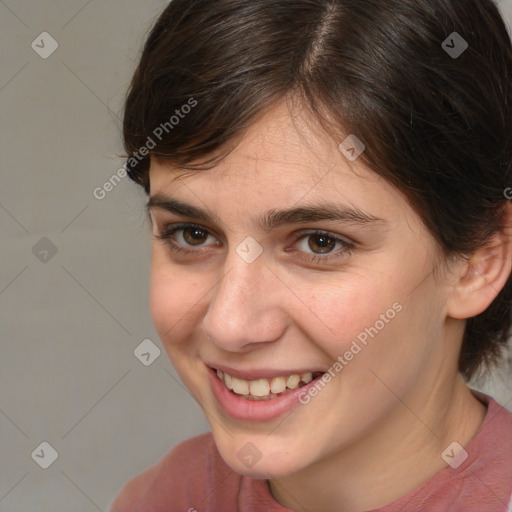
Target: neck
<point>397,457</point>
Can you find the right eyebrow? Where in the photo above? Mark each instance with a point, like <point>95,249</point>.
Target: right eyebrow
<point>171,205</point>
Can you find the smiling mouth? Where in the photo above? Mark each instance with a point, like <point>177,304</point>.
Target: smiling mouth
<point>266,389</point>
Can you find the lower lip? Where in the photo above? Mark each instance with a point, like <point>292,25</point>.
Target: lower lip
<point>254,410</point>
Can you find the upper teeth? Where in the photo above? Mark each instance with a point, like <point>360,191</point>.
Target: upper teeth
<point>263,387</point>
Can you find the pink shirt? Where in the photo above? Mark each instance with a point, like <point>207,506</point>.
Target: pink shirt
<point>194,477</point>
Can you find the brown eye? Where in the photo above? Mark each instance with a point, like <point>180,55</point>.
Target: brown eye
<point>321,243</point>
<point>320,247</point>
<point>185,237</point>
<point>194,236</point>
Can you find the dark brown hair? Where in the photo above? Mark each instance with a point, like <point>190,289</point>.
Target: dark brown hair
<point>437,125</point>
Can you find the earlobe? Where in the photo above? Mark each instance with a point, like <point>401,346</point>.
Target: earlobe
<point>485,273</point>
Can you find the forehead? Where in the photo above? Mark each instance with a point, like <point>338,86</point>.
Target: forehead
<point>286,145</point>
<point>283,159</point>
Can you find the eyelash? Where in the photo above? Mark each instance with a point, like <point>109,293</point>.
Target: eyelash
<point>346,249</point>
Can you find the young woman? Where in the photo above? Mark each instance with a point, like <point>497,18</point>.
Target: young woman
<point>327,185</point>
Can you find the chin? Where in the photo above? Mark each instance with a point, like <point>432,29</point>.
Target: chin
<point>267,463</point>
<point>261,470</point>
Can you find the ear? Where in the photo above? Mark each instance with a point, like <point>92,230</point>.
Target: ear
<point>486,272</point>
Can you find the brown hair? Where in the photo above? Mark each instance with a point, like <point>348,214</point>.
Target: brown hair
<point>436,124</point>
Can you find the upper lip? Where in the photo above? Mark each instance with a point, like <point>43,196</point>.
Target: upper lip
<point>257,373</point>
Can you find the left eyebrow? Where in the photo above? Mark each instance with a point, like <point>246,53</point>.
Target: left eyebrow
<point>272,218</point>
<point>316,213</point>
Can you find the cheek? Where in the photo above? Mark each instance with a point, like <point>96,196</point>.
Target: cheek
<point>175,301</point>
<point>369,328</point>
<point>386,338</point>
<point>175,304</point>
<point>351,312</point>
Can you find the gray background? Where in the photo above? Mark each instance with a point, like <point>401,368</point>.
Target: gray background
<point>74,269</point>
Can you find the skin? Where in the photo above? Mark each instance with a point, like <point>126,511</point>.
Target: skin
<point>384,420</point>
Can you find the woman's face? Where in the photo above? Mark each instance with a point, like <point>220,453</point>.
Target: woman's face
<point>262,294</point>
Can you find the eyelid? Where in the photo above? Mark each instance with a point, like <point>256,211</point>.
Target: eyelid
<point>166,226</point>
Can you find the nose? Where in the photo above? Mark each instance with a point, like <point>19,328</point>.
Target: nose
<point>246,307</point>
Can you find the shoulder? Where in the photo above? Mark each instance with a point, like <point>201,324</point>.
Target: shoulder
<point>495,434</point>
<point>178,479</point>
<point>496,445</point>
<point>483,481</point>
<point>485,477</point>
